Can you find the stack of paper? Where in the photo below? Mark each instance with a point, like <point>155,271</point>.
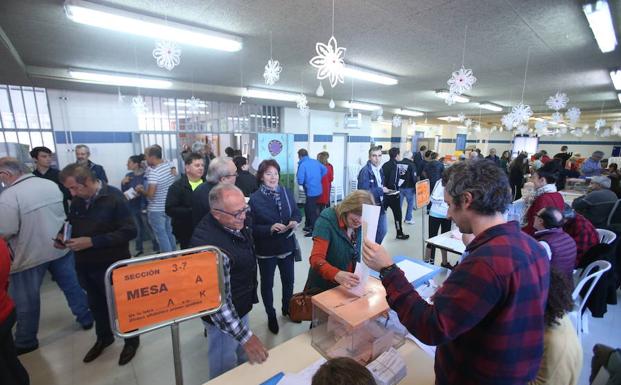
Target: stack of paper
<point>389,368</point>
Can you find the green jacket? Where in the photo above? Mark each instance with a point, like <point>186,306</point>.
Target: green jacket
<point>341,252</point>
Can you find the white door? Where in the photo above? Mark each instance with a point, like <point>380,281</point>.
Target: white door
<point>338,159</point>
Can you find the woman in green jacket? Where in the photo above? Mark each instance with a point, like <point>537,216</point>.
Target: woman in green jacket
<point>336,243</point>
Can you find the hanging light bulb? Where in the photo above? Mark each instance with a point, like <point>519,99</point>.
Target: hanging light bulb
<point>331,104</point>
<point>319,91</point>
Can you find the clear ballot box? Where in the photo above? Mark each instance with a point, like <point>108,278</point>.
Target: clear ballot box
<point>345,325</point>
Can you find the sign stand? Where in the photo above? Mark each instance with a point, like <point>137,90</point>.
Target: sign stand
<point>149,293</point>
<point>423,194</point>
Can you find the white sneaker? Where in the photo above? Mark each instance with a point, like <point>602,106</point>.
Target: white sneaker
<point>410,222</point>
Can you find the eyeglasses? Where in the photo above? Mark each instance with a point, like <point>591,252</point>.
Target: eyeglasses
<point>231,175</point>
<point>237,214</point>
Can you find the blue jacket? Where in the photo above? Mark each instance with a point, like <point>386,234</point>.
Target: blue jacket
<point>98,171</point>
<point>265,214</point>
<point>367,181</point>
<point>310,172</point>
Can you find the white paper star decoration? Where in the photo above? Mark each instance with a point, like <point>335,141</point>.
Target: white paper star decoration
<point>302,104</point>
<point>194,105</point>
<point>557,117</point>
<point>461,81</point>
<point>599,123</point>
<point>167,54</point>
<point>272,72</point>
<point>461,117</point>
<point>450,98</point>
<point>396,121</point>
<point>508,121</point>
<point>616,128</point>
<point>468,122</point>
<point>139,105</point>
<point>521,113</point>
<point>573,115</point>
<point>557,101</point>
<point>330,62</point>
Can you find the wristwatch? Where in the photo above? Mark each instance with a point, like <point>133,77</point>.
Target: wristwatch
<point>384,271</point>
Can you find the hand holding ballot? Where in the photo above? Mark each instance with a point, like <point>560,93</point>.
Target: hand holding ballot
<point>348,280</point>
<point>375,256</point>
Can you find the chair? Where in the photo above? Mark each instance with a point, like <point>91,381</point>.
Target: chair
<point>587,277</point>
<point>614,218</point>
<point>336,194</point>
<point>606,236</point>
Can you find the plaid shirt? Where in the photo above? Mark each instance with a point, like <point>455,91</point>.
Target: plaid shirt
<point>227,319</point>
<point>584,233</point>
<point>487,318</point>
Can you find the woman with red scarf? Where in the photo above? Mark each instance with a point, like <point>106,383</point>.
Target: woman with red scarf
<point>326,181</point>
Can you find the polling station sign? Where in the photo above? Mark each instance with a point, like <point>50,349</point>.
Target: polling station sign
<point>423,194</point>
<point>158,291</point>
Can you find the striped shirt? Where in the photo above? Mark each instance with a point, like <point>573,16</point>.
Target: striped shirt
<point>162,178</point>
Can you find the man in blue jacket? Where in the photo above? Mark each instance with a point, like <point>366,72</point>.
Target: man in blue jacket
<point>310,172</point>
<point>371,178</point>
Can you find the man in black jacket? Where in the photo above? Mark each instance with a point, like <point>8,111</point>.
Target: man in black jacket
<point>419,160</point>
<point>221,170</point>
<point>230,339</point>
<point>407,172</point>
<point>245,180</point>
<point>102,227</point>
<point>179,198</point>
<point>393,182</point>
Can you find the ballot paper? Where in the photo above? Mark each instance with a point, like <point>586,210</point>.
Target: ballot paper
<point>389,368</point>
<point>413,270</point>
<point>130,193</point>
<point>370,219</point>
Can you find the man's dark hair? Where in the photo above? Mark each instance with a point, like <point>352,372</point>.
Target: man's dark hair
<point>155,151</point>
<point>374,148</point>
<point>302,152</point>
<point>80,173</point>
<point>428,153</point>
<point>34,153</point>
<point>393,152</point>
<point>559,298</point>
<point>191,157</point>
<point>433,155</point>
<point>343,371</point>
<point>136,158</point>
<point>229,151</point>
<point>552,217</point>
<point>487,183</point>
<point>564,148</point>
<point>264,166</point>
<point>423,148</point>
<point>550,171</point>
<point>239,162</point>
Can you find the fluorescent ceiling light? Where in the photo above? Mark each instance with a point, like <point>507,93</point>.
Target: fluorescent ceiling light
<point>259,93</point>
<point>600,21</point>
<point>449,118</point>
<point>119,20</point>
<point>361,106</point>
<point>458,98</point>
<point>119,80</point>
<point>490,106</point>
<point>369,76</point>
<point>616,78</point>
<point>401,111</point>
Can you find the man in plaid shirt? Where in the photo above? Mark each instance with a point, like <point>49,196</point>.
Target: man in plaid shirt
<point>487,318</point>
<point>581,230</point>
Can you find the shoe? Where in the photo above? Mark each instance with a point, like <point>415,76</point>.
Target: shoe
<point>272,324</point>
<point>87,326</point>
<point>138,254</point>
<point>306,229</point>
<point>309,234</point>
<point>97,349</point>
<point>128,352</point>
<point>23,350</point>
<point>410,222</point>
<point>403,236</point>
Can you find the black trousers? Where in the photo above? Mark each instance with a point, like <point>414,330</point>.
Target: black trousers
<point>12,372</point>
<point>311,211</point>
<point>92,280</point>
<point>436,224</point>
<point>394,202</point>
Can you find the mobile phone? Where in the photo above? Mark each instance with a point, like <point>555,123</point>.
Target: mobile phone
<point>56,240</point>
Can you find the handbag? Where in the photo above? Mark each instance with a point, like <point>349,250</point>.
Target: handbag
<point>301,305</point>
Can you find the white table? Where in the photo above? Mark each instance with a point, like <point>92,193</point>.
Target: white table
<point>444,241</point>
<point>296,354</point>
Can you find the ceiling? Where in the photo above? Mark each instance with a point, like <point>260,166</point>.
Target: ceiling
<point>420,42</point>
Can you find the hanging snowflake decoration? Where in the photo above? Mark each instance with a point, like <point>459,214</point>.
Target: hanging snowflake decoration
<point>508,121</point>
<point>573,115</point>
<point>616,128</point>
<point>461,117</point>
<point>468,123</point>
<point>139,105</point>
<point>194,105</point>
<point>167,54</point>
<point>577,132</point>
<point>396,121</point>
<point>450,98</point>
<point>521,113</point>
<point>476,128</point>
<point>558,101</point>
<point>563,130</point>
<point>599,123</point>
<point>302,104</point>
<point>606,133</point>
<point>557,117</point>
<point>329,62</point>
<point>272,72</point>
<point>461,81</point>
<point>522,129</point>
<point>378,114</point>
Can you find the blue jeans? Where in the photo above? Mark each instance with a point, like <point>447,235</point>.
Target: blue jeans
<point>144,232</point>
<point>162,230</point>
<point>267,268</point>
<point>408,195</point>
<point>382,227</point>
<point>25,289</point>
<point>223,351</point>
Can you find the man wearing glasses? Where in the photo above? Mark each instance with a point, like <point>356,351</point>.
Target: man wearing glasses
<point>231,342</point>
<point>221,170</point>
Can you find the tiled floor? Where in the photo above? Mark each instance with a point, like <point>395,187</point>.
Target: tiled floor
<point>63,344</point>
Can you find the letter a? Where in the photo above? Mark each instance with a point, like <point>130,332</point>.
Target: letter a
<point>198,279</point>
<point>170,303</point>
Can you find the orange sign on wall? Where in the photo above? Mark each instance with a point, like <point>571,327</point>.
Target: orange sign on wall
<point>157,291</point>
<point>423,193</point>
